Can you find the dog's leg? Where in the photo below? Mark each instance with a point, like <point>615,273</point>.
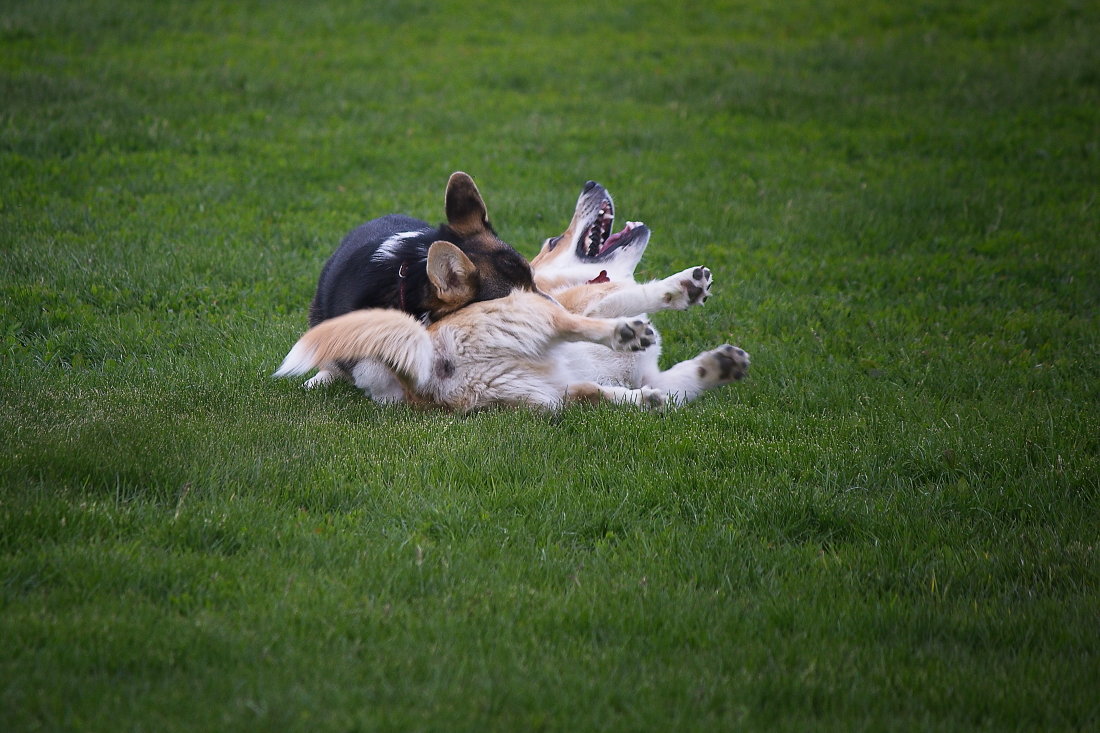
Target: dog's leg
<point>327,375</point>
<point>678,292</point>
<point>377,380</point>
<point>688,379</point>
<point>646,398</point>
<point>619,334</point>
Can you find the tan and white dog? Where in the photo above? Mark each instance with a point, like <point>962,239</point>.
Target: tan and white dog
<point>590,271</point>
<point>591,342</point>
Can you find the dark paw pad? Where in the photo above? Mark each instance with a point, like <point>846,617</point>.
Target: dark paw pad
<point>733,362</point>
<point>636,335</point>
<point>697,289</point>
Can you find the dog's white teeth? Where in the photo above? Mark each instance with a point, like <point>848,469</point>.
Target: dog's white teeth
<point>593,246</point>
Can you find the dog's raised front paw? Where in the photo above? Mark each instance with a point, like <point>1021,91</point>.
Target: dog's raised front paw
<point>687,288</point>
<point>722,365</point>
<point>636,335</point>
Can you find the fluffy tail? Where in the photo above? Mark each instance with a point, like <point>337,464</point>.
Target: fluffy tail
<point>391,336</point>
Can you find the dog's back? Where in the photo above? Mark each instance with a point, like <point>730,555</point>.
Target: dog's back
<point>381,264</point>
<point>374,268</point>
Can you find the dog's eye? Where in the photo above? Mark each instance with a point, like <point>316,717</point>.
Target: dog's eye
<point>551,242</point>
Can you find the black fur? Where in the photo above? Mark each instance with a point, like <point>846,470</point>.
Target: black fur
<point>354,277</point>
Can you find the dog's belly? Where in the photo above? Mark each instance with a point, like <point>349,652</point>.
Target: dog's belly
<point>476,369</point>
<point>595,363</point>
<point>474,384</point>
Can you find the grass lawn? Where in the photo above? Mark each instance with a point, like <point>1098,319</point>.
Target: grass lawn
<point>893,524</point>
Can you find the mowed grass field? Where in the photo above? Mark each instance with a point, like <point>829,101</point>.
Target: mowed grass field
<point>892,524</point>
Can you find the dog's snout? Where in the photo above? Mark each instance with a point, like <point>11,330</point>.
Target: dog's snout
<point>589,186</point>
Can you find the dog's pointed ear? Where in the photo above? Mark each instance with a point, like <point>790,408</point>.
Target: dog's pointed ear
<point>466,212</point>
<point>452,273</point>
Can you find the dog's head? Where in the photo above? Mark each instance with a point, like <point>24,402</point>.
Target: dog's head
<point>492,268</point>
<point>587,250</point>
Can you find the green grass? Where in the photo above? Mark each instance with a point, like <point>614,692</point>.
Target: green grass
<point>892,524</point>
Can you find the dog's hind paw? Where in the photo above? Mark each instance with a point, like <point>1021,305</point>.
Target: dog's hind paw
<point>652,399</point>
<point>722,365</point>
<point>636,335</point>
<point>687,288</point>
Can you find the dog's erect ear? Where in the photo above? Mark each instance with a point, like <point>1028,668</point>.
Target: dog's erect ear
<point>452,273</point>
<point>466,212</point>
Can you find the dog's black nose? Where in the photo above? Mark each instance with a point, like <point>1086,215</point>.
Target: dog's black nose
<point>589,186</point>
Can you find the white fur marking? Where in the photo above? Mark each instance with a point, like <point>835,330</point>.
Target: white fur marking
<point>298,361</point>
<point>389,248</point>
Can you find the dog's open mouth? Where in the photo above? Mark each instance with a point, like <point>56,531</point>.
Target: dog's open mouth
<point>599,231</point>
<point>598,242</point>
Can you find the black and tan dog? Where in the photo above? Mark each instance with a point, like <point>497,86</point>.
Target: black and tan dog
<point>382,264</point>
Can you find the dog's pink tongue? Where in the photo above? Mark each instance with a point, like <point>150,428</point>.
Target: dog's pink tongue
<point>614,238</point>
<point>601,278</point>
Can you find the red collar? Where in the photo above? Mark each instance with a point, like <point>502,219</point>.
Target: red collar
<point>403,275</point>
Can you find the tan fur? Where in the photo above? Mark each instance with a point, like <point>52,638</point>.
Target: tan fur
<point>573,327</point>
<point>391,336</point>
<point>495,352</point>
<point>585,393</point>
<point>453,278</point>
<point>552,283</point>
<point>582,298</point>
